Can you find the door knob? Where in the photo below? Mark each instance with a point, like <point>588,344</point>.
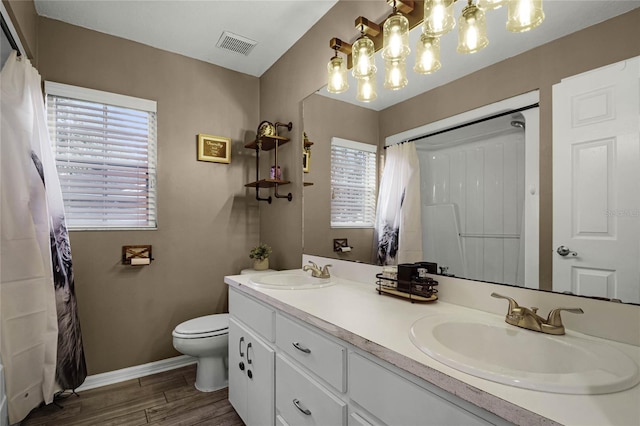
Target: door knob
<point>564,251</point>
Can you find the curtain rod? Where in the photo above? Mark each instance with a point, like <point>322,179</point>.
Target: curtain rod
<point>470,123</point>
<point>7,33</point>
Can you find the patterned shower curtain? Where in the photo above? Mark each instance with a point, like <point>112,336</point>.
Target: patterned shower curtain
<point>398,230</point>
<point>40,342</point>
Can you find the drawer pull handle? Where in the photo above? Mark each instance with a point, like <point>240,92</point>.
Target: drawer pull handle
<point>240,346</point>
<point>296,402</point>
<point>248,359</point>
<point>301,348</point>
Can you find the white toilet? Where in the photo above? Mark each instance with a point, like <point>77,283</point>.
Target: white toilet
<point>207,339</point>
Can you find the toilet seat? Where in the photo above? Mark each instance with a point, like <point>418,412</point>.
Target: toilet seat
<point>202,327</point>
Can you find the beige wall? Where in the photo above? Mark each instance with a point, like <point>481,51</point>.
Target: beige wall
<point>300,72</point>
<point>540,68</point>
<point>207,220</point>
<point>25,19</point>
<point>325,118</point>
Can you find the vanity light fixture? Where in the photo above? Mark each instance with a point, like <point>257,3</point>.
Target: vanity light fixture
<point>364,62</point>
<point>472,32</point>
<point>436,18</point>
<point>337,74</point>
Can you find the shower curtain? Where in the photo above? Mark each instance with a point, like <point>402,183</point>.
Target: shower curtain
<point>398,229</point>
<point>40,339</point>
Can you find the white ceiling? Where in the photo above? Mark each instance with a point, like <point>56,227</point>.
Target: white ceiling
<point>193,27</point>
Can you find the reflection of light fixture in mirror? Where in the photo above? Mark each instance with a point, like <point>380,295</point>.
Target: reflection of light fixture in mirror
<point>523,15</point>
<point>490,4</point>
<point>427,55</point>
<point>472,33</point>
<point>438,17</point>
<point>367,89</point>
<point>337,75</point>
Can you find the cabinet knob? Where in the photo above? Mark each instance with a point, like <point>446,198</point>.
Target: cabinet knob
<point>250,374</point>
<point>241,365</point>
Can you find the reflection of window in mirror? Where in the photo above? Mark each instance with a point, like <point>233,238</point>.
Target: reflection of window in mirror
<point>353,184</point>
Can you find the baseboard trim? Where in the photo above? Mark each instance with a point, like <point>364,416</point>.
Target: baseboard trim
<point>117,376</point>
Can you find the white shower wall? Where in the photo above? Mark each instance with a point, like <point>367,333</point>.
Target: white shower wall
<point>484,179</point>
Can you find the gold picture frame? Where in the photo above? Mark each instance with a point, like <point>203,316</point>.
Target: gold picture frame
<point>306,161</point>
<point>215,149</point>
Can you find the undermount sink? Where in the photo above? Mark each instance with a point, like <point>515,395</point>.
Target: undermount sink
<point>290,280</point>
<point>489,348</point>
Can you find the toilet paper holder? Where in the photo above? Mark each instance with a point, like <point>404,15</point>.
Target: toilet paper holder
<point>341,245</point>
<point>136,255</point>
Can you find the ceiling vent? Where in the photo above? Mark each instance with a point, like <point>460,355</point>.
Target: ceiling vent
<point>236,43</point>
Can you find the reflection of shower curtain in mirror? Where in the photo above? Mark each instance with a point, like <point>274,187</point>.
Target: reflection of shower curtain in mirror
<point>398,230</point>
<point>38,306</point>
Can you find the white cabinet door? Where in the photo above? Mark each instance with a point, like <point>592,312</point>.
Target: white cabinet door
<point>237,369</point>
<point>251,376</point>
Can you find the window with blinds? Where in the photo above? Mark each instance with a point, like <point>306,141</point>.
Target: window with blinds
<point>105,151</point>
<point>353,184</point>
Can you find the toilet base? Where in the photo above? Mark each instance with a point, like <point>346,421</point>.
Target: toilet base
<point>212,374</point>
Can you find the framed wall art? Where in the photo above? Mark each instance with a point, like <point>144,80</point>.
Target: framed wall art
<point>215,149</point>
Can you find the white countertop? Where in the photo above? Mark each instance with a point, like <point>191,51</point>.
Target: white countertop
<point>380,325</point>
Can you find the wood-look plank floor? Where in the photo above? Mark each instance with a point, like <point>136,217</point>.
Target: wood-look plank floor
<point>163,399</point>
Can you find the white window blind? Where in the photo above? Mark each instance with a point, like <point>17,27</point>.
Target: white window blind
<point>353,184</point>
<point>105,151</point>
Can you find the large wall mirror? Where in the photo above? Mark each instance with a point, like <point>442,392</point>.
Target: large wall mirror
<point>585,242</point>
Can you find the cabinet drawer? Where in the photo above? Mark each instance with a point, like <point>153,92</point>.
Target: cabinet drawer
<point>254,314</point>
<point>397,401</point>
<point>293,386</point>
<point>315,352</point>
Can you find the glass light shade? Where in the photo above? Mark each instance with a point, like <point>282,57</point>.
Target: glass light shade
<point>367,89</point>
<point>427,55</point>
<point>523,15</point>
<point>364,64</point>
<point>490,4</point>
<point>472,31</point>
<point>395,74</point>
<point>337,76</point>
<point>438,17</point>
<point>396,37</point>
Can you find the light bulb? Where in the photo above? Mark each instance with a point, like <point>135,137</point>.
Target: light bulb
<point>367,89</point>
<point>363,58</point>
<point>438,17</point>
<point>395,76</point>
<point>472,33</point>
<point>396,37</point>
<point>523,15</point>
<point>427,55</point>
<point>337,75</point>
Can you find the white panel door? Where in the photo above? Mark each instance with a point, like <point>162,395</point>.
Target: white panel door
<point>596,183</point>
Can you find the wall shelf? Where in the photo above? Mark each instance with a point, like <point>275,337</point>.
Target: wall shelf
<point>267,183</point>
<point>268,143</point>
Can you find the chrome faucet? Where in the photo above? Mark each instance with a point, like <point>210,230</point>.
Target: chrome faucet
<point>529,319</point>
<point>316,271</point>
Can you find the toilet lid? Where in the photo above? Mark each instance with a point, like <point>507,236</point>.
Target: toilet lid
<point>206,324</point>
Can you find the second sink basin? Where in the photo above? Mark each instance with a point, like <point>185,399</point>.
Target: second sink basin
<point>289,280</point>
<point>489,348</point>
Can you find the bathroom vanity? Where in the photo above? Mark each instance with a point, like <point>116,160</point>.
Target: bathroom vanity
<point>342,355</point>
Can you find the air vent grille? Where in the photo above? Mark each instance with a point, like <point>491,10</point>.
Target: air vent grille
<point>236,43</point>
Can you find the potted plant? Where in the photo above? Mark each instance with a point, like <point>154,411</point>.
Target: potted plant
<point>260,255</point>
